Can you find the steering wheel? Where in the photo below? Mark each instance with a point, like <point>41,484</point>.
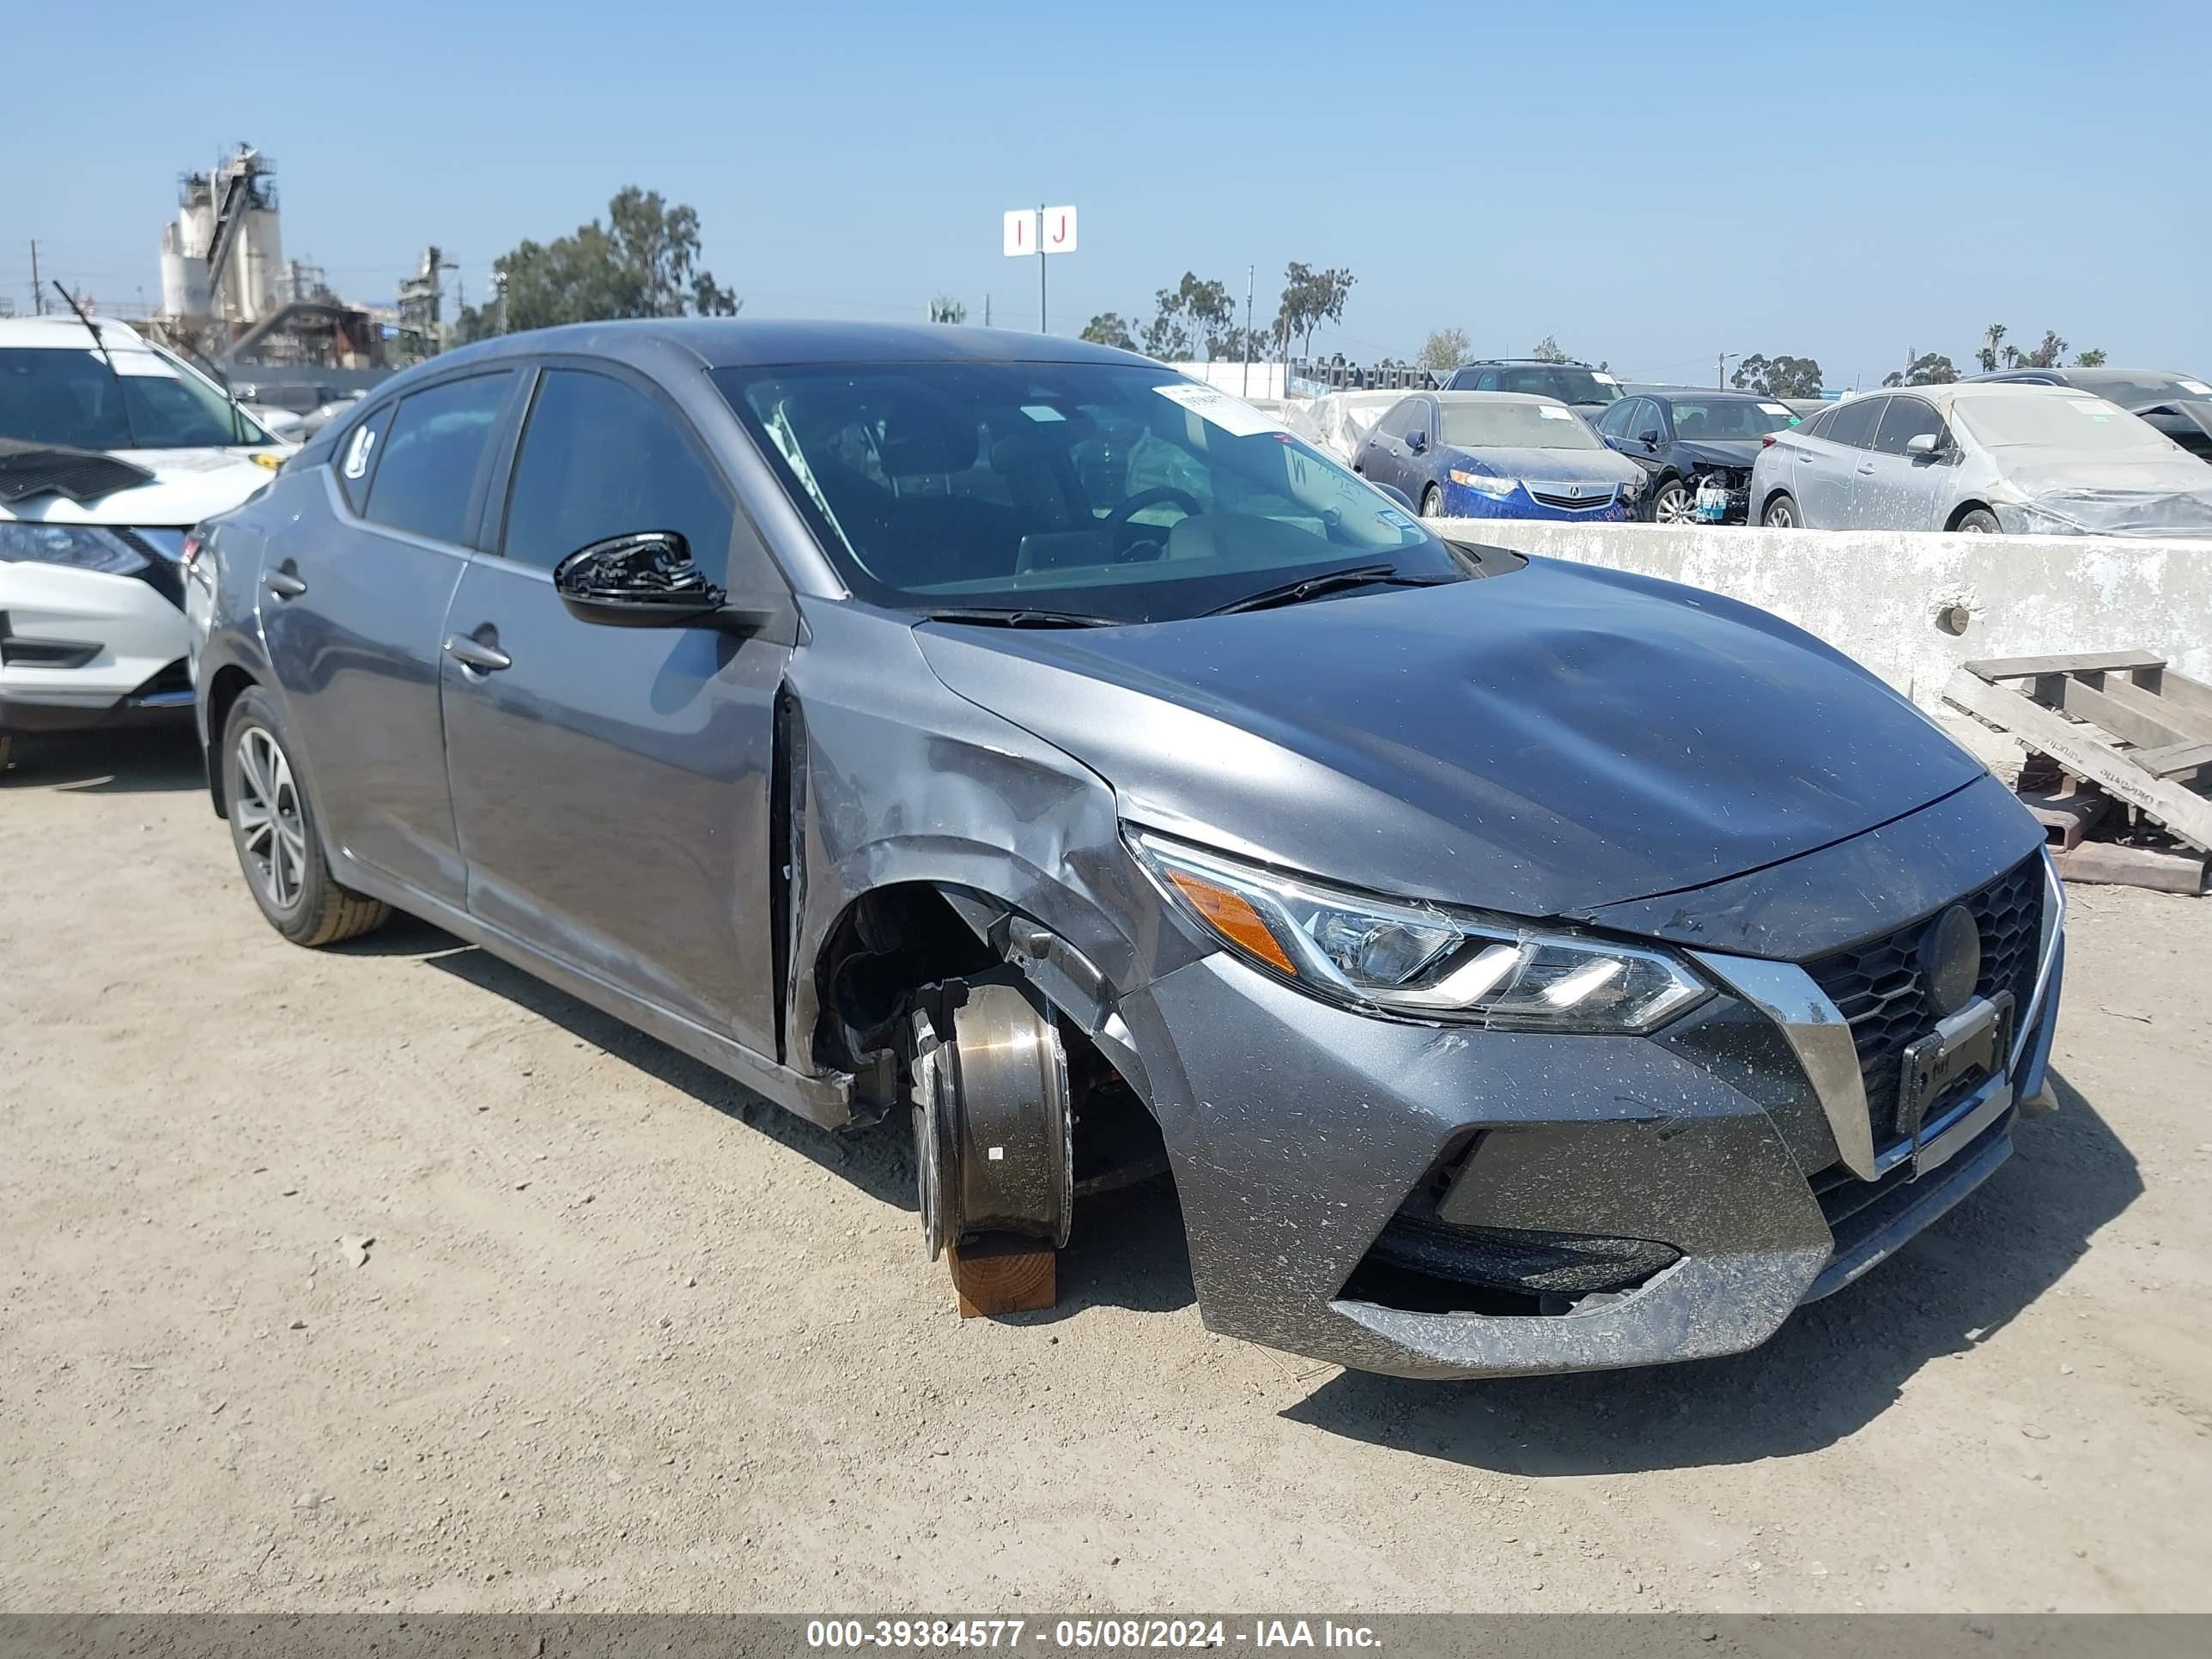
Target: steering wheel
<point>1145,498</point>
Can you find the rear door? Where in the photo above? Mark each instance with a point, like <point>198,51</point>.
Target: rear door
<point>611,785</point>
<point>1904,491</point>
<point>1385,458</point>
<point>1825,479</point>
<point>353,605</point>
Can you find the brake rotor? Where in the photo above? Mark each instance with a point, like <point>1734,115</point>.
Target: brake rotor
<point>993,1118</point>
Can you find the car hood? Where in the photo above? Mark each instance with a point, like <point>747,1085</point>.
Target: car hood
<point>187,485</point>
<point>1738,453</point>
<point>1541,742</point>
<point>1546,465</point>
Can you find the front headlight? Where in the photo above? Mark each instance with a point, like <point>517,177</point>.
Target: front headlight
<point>1483,483</point>
<point>1415,959</point>
<point>84,546</point>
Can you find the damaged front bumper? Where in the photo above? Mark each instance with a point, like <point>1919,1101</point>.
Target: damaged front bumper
<point>1440,1202</point>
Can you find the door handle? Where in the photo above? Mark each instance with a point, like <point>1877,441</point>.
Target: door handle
<point>1867,471</point>
<point>283,584</point>
<point>474,653</point>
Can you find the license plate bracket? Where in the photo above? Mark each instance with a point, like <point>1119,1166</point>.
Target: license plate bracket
<point>1978,1039</point>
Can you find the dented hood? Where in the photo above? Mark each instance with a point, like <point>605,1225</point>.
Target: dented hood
<point>1541,742</point>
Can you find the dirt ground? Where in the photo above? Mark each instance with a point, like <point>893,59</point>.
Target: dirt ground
<point>626,1341</point>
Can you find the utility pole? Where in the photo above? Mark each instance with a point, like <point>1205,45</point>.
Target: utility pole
<point>1720,373</point>
<point>37,288</point>
<point>986,310</point>
<point>1247,331</point>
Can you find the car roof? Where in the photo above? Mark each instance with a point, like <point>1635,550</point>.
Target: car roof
<point>61,332</point>
<point>1540,362</point>
<point>729,343</point>
<point>1738,394</point>
<point>1457,398</point>
<point>2087,378</point>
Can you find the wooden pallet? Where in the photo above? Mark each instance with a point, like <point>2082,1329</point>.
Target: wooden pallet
<point>2124,728</point>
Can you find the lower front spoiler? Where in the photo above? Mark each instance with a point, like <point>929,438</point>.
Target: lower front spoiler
<point>1297,1131</point>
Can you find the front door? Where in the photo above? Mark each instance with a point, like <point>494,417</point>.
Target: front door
<point>1906,491</point>
<point>353,608</point>
<point>611,785</point>
<point>1828,479</point>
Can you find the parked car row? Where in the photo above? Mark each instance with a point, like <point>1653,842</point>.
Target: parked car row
<point>1009,735</point>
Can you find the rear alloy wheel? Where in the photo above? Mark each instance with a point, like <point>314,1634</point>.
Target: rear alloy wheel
<point>1432,502</point>
<point>1979,522</point>
<point>272,825</point>
<point>1673,503</point>
<point>1782,514</point>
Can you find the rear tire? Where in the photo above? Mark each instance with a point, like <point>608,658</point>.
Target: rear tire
<point>278,842</point>
<point>1782,513</point>
<point>1432,502</point>
<point>1978,522</point>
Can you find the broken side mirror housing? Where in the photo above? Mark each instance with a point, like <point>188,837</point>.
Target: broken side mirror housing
<point>645,579</point>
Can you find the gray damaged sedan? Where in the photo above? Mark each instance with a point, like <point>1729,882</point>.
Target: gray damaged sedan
<point>1519,966</point>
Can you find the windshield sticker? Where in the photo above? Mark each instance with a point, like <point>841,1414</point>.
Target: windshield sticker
<point>1042,412</point>
<point>1236,418</point>
<point>1557,414</point>
<point>1396,520</point>
<point>1603,378</point>
<point>142,365</point>
<point>2198,387</point>
<point>2095,407</point>
<point>1775,409</point>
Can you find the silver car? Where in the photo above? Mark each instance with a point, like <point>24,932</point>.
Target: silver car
<point>1981,456</point>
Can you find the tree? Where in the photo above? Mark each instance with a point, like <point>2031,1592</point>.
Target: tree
<point>1310,298</point>
<point>2049,355</point>
<point>1168,335</point>
<point>1925,369</point>
<point>1547,351</point>
<point>1107,329</point>
<point>2093,358</point>
<point>1992,341</point>
<point>946,309</point>
<point>1197,314</point>
<point>643,262</point>
<point>1778,377</point>
<point>1445,347</point>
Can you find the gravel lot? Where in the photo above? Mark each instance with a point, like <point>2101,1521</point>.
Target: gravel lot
<point>625,1340</point>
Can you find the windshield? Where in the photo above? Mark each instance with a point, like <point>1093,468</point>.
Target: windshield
<point>69,396</point>
<point>1481,423</point>
<point>1568,385</point>
<point>1729,417</point>
<point>1096,490</point>
<point>2079,425</point>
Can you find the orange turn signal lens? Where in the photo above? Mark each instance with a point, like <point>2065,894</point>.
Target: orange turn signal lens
<point>1231,915</point>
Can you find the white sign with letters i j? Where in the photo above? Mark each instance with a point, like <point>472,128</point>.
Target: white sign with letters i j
<point>1028,231</point>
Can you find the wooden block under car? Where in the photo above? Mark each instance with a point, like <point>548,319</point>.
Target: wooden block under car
<point>1003,1273</point>
<point>2134,866</point>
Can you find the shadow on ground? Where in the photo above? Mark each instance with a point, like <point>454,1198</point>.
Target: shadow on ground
<point>1831,1370</point>
<point>147,760</point>
<point>1129,1247</point>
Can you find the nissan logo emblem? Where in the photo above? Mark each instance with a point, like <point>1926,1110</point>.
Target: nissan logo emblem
<point>1951,960</point>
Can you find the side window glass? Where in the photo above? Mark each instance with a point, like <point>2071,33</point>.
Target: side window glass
<point>1614,422</point>
<point>426,478</point>
<point>1393,424</point>
<point>1853,422</point>
<point>357,459</point>
<point>1904,419</point>
<point>1487,381</point>
<point>600,458</point>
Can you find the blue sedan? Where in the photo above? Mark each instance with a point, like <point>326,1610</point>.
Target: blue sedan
<point>1499,455</point>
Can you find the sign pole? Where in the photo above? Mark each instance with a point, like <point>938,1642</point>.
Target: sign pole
<point>1041,328</point>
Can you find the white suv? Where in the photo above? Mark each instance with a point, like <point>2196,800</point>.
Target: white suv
<point>110,448</point>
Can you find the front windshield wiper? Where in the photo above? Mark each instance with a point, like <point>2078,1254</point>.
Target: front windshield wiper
<point>1021,616</point>
<point>1307,587</point>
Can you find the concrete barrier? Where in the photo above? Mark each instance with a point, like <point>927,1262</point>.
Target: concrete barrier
<point>1912,605</point>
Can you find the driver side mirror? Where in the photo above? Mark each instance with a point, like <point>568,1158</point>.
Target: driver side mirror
<point>1417,441</point>
<point>1648,437</point>
<point>642,581</point>
<point>1921,445</point>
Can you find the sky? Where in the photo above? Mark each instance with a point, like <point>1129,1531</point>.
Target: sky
<point>1650,184</point>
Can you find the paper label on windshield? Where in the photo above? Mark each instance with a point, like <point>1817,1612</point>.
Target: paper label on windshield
<point>1232,415</point>
<point>2095,407</point>
<point>1557,414</point>
<point>142,364</point>
<point>1603,378</point>
<point>1042,412</point>
<point>1395,519</point>
<point>1775,409</point>
<point>2198,387</point>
